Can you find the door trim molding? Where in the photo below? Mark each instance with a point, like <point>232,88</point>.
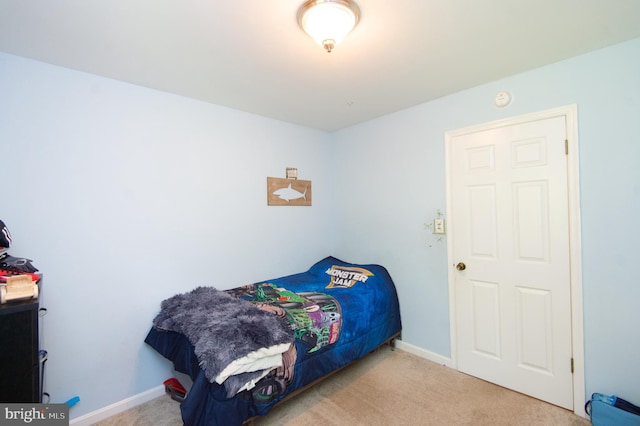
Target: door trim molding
<point>570,112</point>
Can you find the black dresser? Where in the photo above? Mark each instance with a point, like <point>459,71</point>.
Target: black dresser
<point>20,357</point>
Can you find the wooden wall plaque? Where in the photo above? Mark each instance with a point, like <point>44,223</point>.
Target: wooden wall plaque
<point>288,192</point>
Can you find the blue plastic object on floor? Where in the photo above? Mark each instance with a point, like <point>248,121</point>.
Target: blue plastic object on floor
<point>73,401</point>
<point>610,410</point>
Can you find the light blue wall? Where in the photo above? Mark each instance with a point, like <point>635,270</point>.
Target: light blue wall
<point>391,175</point>
<point>124,196</point>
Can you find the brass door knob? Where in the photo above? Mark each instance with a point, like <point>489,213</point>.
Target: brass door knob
<point>461,266</point>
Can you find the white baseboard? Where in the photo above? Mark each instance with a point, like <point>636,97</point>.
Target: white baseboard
<point>423,353</point>
<point>118,407</point>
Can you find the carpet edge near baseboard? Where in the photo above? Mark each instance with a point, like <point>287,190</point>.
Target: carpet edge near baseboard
<point>423,353</point>
<point>118,407</point>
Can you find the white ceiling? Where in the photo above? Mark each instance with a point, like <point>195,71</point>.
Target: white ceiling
<point>251,55</point>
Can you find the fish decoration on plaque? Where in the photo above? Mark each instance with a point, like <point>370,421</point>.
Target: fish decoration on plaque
<point>288,192</point>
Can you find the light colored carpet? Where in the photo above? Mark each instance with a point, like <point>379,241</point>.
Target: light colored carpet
<point>387,388</point>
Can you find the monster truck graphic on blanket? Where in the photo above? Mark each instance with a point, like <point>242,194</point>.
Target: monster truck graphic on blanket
<point>316,319</point>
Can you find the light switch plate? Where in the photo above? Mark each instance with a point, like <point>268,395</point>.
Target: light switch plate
<point>438,226</point>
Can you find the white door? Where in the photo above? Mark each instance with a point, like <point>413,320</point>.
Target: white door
<point>510,235</point>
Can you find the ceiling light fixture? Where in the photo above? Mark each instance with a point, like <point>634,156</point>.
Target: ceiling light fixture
<point>328,21</point>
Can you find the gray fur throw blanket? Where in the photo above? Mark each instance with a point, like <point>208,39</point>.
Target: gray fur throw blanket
<point>221,327</point>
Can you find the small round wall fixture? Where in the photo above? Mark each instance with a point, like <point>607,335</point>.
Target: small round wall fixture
<point>328,22</point>
<point>502,99</point>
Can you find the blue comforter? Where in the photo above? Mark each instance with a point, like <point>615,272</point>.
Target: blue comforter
<point>338,311</point>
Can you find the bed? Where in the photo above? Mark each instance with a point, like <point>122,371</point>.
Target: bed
<point>317,322</point>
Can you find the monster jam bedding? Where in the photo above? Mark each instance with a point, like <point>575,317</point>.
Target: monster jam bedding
<point>325,318</point>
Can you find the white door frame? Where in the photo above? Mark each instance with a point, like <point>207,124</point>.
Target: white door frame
<point>570,112</point>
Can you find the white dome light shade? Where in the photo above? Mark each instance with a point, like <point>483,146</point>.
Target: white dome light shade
<point>328,21</point>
